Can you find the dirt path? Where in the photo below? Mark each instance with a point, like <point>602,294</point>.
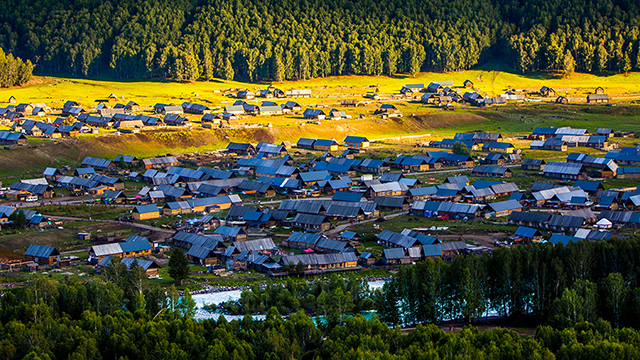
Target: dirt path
<point>340,228</point>
<point>140,226</point>
<point>483,240</point>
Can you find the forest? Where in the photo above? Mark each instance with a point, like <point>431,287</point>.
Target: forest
<point>583,298</point>
<point>78,321</point>
<point>274,40</point>
<point>541,284</point>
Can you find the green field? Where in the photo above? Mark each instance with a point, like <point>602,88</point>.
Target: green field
<point>55,91</point>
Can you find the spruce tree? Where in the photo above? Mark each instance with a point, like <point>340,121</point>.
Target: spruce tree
<point>179,265</point>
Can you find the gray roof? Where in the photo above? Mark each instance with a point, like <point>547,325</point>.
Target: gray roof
<point>254,245</point>
<point>320,259</point>
<point>532,217</point>
<point>128,261</point>
<point>393,254</point>
<point>565,221</point>
<point>308,219</point>
<point>453,246</point>
<point>504,188</point>
<point>562,168</point>
<point>505,205</point>
<point>96,162</point>
<point>329,244</point>
<point>303,237</point>
<point>390,201</point>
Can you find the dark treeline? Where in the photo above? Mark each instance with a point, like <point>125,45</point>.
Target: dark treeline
<point>539,284</point>
<point>291,39</point>
<point>81,321</point>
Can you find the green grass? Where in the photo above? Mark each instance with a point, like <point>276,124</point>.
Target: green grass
<point>514,121</point>
<point>55,91</point>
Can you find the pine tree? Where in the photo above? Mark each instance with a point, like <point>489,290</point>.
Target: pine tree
<point>207,65</point>
<point>414,61</point>
<point>569,64</point>
<point>390,61</point>
<point>228,70</point>
<point>602,57</point>
<point>179,266</point>
<point>278,67</point>
<point>627,64</point>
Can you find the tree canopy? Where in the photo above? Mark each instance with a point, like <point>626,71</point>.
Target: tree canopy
<point>291,39</point>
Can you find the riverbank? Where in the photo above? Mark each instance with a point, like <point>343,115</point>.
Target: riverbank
<point>219,289</point>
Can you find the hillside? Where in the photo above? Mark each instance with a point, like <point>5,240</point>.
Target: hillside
<point>419,119</point>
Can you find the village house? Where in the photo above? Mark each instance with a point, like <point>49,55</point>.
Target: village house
<point>546,91</point>
<point>411,88</point>
<point>597,98</point>
<point>503,208</point>
<point>145,212</point>
<point>492,171</point>
<point>527,235</point>
<point>533,164</point>
<point>387,110</point>
<point>320,263</point>
<point>605,132</point>
<point>150,268</point>
<point>356,142</point>
<point>160,162</point>
<point>325,145</point>
<point>311,222</point>
<point>124,249</point>
<point>387,189</point>
<point>241,149</point>
<point>232,233</point>
<point>335,114</point>
<point>499,147</point>
<point>565,171</point>
<point>314,114</point>
<point>394,256</point>
<point>98,164</point>
<point>42,255</point>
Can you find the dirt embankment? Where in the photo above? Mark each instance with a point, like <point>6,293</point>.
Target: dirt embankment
<point>446,120</point>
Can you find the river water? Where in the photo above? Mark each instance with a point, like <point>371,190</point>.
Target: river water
<point>219,297</point>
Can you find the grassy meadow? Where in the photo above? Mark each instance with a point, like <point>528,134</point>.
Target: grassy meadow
<point>427,121</point>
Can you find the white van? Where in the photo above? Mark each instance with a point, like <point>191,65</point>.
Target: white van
<point>31,198</point>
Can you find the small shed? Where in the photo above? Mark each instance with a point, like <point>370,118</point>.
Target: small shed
<point>467,83</point>
<point>597,98</point>
<point>547,91</point>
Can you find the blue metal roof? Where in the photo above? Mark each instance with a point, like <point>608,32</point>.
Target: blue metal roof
<point>355,139</point>
<point>527,232</point>
<point>348,234</point>
<point>347,196</point>
<point>432,250</point>
<point>138,245</point>
<point>41,251</point>
<point>562,239</point>
<point>142,209</point>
